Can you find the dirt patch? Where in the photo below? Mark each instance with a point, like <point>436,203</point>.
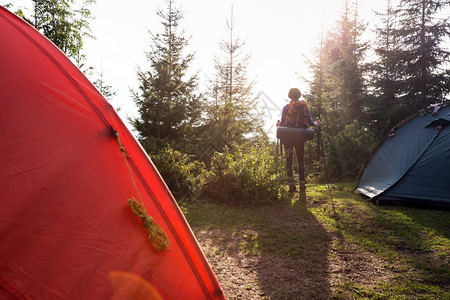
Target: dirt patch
<point>236,273</point>
<point>261,277</point>
<point>362,268</point>
<point>309,264</point>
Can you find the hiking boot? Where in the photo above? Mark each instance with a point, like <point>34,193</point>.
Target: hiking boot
<point>302,185</point>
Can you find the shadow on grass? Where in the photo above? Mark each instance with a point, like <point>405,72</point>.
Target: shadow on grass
<point>408,248</point>
<point>294,250</point>
<point>419,238</point>
<point>276,251</point>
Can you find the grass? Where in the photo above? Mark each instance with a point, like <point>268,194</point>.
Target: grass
<point>413,242</point>
<point>364,251</point>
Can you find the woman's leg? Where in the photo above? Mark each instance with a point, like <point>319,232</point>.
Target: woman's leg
<point>289,149</point>
<point>300,153</point>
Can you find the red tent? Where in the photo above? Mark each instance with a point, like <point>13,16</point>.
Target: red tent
<point>68,165</point>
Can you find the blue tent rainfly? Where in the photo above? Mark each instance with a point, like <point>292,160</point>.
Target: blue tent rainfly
<point>412,162</point>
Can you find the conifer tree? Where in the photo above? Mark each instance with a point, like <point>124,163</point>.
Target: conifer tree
<point>409,73</point>
<point>107,90</point>
<point>63,24</point>
<point>343,70</point>
<point>338,89</point>
<point>424,75</point>
<point>383,106</point>
<point>169,108</point>
<point>232,116</point>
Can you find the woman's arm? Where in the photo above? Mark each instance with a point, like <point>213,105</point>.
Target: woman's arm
<point>308,115</point>
<point>283,115</point>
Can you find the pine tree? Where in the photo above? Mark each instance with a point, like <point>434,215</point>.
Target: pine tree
<point>384,108</point>
<point>343,70</point>
<point>313,150</point>
<point>232,116</point>
<point>107,90</point>
<point>424,76</point>
<point>169,108</point>
<point>409,73</point>
<point>63,24</point>
<point>338,89</point>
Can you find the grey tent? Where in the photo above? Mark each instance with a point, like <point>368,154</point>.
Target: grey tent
<point>412,163</point>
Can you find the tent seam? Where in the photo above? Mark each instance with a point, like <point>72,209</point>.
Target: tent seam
<point>172,229</point>
<point>60,67</point>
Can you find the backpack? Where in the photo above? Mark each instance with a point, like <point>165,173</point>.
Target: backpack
<point>296,114</point>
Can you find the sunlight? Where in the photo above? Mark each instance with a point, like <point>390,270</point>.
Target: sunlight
<point>279,38</point>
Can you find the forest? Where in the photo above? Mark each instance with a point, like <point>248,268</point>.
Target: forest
<point>210,145</point>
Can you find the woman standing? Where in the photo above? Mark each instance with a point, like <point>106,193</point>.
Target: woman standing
<point>296,114</point>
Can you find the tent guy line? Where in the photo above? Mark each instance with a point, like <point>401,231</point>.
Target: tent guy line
<point>156,234</point>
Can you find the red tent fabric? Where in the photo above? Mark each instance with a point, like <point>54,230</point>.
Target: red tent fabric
<point>66,231</point>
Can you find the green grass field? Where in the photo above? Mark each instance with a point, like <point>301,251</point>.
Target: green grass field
<point>318,248</point>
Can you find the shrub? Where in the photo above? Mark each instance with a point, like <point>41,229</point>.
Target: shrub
<point>247,176</point>
<point>350,149</point>
<point>180,172</point>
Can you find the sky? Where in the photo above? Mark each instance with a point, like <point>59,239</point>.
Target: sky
<point>279,35</point>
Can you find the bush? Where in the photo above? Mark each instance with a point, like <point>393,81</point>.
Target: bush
<point>180,172</point>
<point>243,177</point>
<point>350,149</point>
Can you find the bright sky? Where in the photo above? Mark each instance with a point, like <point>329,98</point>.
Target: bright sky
<point>278,35</point>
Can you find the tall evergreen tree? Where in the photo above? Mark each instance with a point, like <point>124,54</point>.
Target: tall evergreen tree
<point>424,77</point>
<point>384,108</point>
<point>313,153</point>
<point>343,70</point>
<point>409,73</point>
<point>63,24</point>
<point>339,88</point>
<point>232,117</point>
<point>107,90</point>
<point>169,108</point>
